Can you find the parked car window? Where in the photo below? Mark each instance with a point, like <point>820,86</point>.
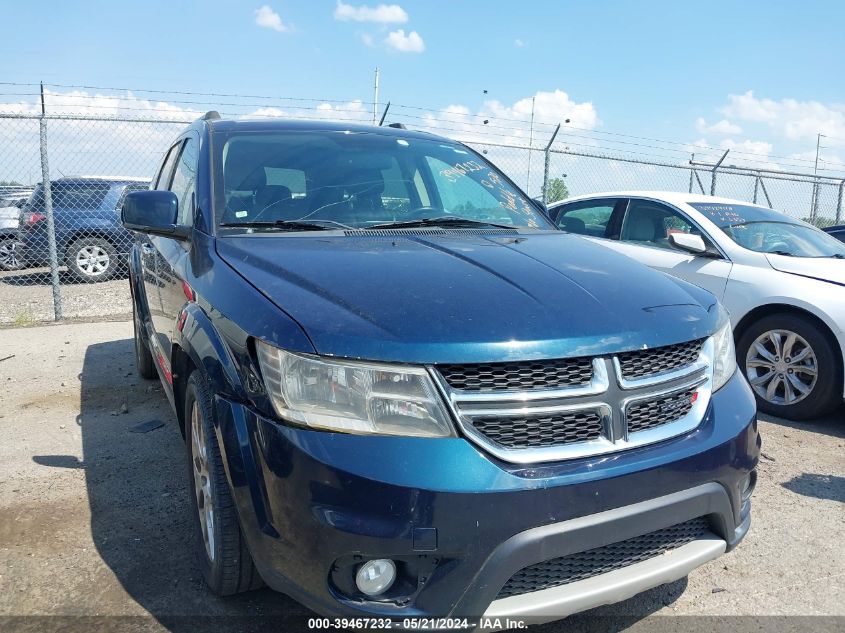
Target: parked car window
<point>459,194</point>
<point>651,223</point>
<point>163,179</point>
<point>768,231</point>
<point>589,217</point>
<point>362,180</point>
<point>80,196</point>
<point>184,181</point>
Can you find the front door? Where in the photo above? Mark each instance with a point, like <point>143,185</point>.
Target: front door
<point>644,237</point>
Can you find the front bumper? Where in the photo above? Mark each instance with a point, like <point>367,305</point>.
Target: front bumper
<point>460,523</point>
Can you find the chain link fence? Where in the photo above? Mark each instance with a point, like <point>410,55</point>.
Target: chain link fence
<point>63,179</point>
<point>62,247</point>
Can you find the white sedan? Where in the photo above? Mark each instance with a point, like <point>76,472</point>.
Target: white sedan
<point>781,279</point>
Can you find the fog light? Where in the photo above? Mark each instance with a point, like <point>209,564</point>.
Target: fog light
<point>375,576</point>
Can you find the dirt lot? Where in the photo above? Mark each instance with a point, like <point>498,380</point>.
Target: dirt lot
<point>94,522</point>
<point>26,297</point>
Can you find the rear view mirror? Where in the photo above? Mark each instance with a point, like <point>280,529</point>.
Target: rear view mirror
<point>688,242</point>
<point>153,212</point>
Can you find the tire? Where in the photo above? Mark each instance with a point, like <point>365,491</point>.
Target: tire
<point>10,253</point>
<point>143,357</point>
<point>221,549</point>
<point>812,395</point>
<point>91,259</point>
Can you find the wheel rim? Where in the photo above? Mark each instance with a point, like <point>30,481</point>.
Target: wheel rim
<point>202,481</point>
<point>781,367</point>
<point>92,260</point>
<point>9,254</point>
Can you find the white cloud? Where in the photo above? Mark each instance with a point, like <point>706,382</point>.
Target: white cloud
<point>793,119</point>
<point>266,18</point>
<point>550,108</point>
<point>722,127</point>
<point>410,43</point>
<point>519,43</point>
<point>381,14</point>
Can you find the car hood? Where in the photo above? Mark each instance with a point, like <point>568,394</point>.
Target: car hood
<point>822,268</point>
<point>468,298</point>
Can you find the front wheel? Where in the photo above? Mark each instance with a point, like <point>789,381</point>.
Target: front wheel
<point>221,548</point>
<point>791,367</point>
<point>143,357</point>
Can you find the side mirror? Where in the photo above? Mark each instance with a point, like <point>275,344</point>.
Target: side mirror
<point>688,242</point>
<point>153,212</point>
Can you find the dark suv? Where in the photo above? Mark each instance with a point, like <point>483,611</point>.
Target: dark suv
<point>90,240</point>
<point>404,394</point>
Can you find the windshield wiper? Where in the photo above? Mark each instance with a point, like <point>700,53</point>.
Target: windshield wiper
<point>289,225</point>
<point>786,253</point>
<point>440,221</point>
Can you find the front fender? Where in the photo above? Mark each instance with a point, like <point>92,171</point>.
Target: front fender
<point>199,340</point>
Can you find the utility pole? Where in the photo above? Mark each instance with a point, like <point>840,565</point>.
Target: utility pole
<point>530,146</point>
<point>814,201</point>
<point>375,98</point>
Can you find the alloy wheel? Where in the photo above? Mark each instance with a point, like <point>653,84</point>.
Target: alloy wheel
<point>92,260</point>
<point>9,258</point>
<point>781,367</point>
<point>202,480</point>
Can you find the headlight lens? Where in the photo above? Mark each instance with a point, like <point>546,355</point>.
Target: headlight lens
<point>724,355</point>
<point>352,397</point>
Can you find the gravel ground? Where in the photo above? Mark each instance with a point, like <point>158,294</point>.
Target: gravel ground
<point>94,522</point>
<point>26,297</point>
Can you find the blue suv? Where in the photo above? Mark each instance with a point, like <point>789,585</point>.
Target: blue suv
<point>90,240</point>
<point>404,394</point>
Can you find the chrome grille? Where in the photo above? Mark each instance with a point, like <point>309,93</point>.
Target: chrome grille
<point>583,565</point>
<point>540,411</point>
<point>541,430</point>
<point>649,362</point>
<point>541,374</point>
<point>653,412</point>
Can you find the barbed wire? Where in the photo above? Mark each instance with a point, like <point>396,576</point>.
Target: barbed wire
<point>471,123</point>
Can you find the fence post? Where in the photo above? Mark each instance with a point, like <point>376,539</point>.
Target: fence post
<point>713,175</point>
<point>548,153</point>
<point>691,170</point>
<point>756,187</point>
<point>814,203</point>
<point>839,202</point>
<point>48,211</point>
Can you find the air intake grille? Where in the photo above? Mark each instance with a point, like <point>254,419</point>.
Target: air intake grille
<point>647,414</point>
<point>644,363</point>
<point>538,431</point>
<point>541,374</point>
<point>583,565</point>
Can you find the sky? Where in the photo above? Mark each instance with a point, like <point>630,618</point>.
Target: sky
<point>655,77</point>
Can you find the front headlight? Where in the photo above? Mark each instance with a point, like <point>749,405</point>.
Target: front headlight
<point>724,355</point>
<point>352,397</point>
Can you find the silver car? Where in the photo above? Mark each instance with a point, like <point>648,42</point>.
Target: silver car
<point>781,279</point>
<point>10,211</point>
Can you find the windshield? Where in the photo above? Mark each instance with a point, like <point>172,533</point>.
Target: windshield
<point>766,231</point>
<point>360,180</point>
